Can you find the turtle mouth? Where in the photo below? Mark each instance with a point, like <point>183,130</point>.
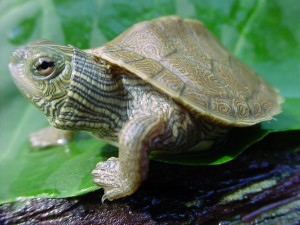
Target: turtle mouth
<point>17,67</point>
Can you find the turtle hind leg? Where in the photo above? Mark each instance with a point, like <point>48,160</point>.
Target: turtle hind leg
<point>50,136</point>
<point>121,177</point>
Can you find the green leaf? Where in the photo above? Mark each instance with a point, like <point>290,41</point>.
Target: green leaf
<point>263,33</point>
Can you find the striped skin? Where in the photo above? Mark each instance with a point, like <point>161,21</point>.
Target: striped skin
<point>95,102</point>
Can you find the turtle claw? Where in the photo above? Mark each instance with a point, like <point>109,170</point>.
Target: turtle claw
<point>108,176</point>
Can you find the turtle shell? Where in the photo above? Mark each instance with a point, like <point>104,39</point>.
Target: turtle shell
<point>182,59</point>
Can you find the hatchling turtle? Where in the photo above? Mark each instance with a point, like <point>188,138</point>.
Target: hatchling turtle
<point>162,85</point>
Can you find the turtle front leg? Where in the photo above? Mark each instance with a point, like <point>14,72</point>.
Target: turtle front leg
<point>121,177</point>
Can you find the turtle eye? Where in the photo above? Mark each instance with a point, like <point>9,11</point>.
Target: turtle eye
<point>44,66</point>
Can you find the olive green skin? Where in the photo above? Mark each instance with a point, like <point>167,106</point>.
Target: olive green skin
<point>165,84</point>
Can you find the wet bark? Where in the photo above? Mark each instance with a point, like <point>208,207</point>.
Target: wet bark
<point>261,186</point>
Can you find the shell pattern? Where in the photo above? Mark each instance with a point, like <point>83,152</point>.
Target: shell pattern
<point>184,60</point>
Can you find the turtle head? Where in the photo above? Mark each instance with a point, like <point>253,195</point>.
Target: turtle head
<point>42,72</point>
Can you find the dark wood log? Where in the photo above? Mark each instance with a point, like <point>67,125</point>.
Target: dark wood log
<point>261,186</point>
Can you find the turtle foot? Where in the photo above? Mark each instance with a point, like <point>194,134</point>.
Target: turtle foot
<point>108,176</point>
<point>50,136</point>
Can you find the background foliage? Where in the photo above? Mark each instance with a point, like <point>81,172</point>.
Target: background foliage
<point>263,33</point>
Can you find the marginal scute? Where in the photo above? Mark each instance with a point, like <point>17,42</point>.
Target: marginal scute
<point>197,98</point>
<point>182,59</point>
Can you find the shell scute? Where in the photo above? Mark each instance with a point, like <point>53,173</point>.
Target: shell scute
<point>167,79</point>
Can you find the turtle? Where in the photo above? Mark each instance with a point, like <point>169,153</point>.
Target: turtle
<point>165,85</point>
